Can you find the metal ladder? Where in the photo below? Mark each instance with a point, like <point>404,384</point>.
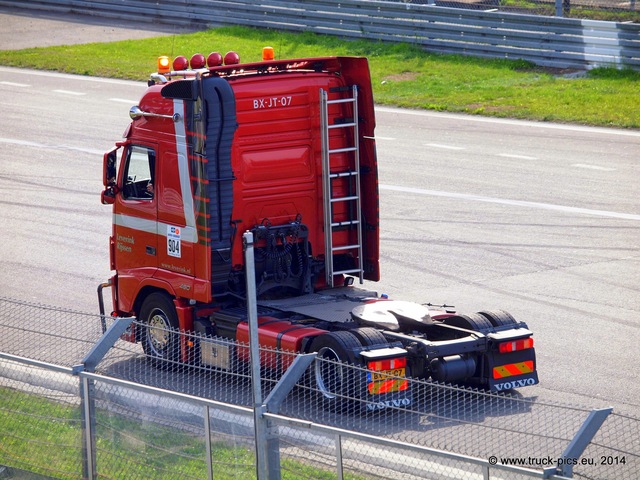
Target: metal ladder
<point>352,175</point>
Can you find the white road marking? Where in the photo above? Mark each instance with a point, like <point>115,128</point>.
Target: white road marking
<point>513,203</point>
<point>503,121</point>
<point>395,188</point>
<point>517,157</point>
<point>593,167</point>
<point>424,113</point>
<point>124,100</point>
<point>68,76</point>
<point>70,92</point>
<point>25,143</point>
<point>377,137</point>
<point>14,84</point>
<point>446,147</point>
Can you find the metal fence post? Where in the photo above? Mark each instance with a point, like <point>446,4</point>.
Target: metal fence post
<point>559,8</point>
<point>267,444</point>
<point>207,432</point>
<point>485,472</point>
<point>87,392</point>
<point>581,440</point>
<point>563,8</point>
<point>273,403</point>
<point>88,428</point>
<point>105,342</point>
<point>289,380</point>
<point>339,466</point>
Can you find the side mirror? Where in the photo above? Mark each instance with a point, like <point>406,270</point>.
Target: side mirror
<point>109,162</point>
<point>108,196</point>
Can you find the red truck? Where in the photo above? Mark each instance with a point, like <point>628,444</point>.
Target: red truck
<point>284,149</point>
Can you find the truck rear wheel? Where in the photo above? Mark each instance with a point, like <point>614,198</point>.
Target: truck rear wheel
<point>499,318</point>
<point>337,384</point>
<point>370,337</point>
<point>160,338</point>
<point>473,321</point>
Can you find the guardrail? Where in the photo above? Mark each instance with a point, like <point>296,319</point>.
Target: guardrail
<point>545,41</point>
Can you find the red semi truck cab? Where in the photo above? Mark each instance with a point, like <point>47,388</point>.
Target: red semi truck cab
<point>284,149</point>
<point>236,148</point>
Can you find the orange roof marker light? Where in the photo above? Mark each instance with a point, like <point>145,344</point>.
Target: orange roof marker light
<point>268,54</point>
<point>164,64</point>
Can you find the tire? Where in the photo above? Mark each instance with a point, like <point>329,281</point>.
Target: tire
<point>370,337</point>
<point>473,321</point>
<point>338,385</point>
<point>499,318</point>
<point>160,338</point>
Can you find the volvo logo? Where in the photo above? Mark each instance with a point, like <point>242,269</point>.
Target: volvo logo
<point>400,402</point>
<point>514,384</point>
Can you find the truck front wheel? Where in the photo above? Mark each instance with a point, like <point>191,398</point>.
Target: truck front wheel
<point>160,338</point>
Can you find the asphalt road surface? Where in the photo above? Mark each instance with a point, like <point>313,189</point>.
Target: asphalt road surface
<point>540,220</point>
<point>23,28</point>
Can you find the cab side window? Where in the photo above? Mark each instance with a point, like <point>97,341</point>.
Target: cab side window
<point>139,173</point>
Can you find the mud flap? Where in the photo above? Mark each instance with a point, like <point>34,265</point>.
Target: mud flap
<point>388,386</point>
<point>506,371</point>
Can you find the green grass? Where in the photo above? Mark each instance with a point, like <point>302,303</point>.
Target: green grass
<point>402,75</point>
<point>578,11</point>
<point>39,435</point>
<point>43,436</point>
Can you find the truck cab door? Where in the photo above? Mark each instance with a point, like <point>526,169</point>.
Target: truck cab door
<point>135,235</point>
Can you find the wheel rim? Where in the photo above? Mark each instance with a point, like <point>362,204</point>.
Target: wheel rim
<point>328,374</point>
<point>158,334</point>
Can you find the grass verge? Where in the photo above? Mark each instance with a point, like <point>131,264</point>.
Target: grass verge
<point>44,437</point>
<point>402,75</point>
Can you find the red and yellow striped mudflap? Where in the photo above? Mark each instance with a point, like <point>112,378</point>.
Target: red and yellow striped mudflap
<point>513,369</point>
<point>388,386</point>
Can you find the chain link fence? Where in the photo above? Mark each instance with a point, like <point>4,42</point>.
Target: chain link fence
<point>159,419</point>
<point>40,424</point>
<point>143,433</point>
